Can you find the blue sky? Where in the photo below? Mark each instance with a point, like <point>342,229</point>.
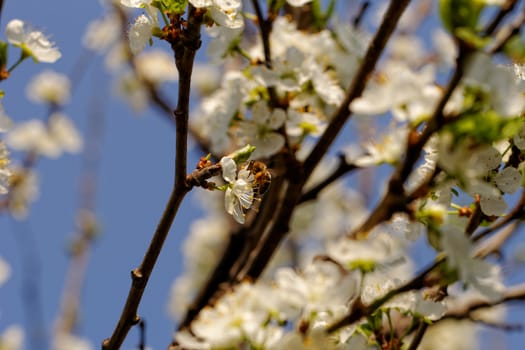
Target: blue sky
<point>136,173</point>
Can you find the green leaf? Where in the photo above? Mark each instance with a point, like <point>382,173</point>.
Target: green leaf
<point>471,37</point>
<point>448,274</point>
<point>485,127</point>
<point>460,14</point>
<point>241,155</point>
<point>515,48</point>
<point>320,18</point>
<point>176,7</point>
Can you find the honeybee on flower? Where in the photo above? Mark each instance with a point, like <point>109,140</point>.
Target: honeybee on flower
<point>243,187</point>
<point>261,177</point>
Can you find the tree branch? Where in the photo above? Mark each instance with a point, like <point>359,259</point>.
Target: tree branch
<point>395,199</point>
<point>514,293</point>
<point>517,213</point>
<point>341,170</point>
<point>505,9</point>
<point>376,47</point>
<point>185,48</point>
<point>297,175</point>
<point>359,310</point>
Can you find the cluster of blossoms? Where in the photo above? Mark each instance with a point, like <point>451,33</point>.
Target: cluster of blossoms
<point>287,106</point>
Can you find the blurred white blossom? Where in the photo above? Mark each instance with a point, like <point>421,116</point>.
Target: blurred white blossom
<point>70,342</point>
<point>504,91</point>
<point>5,172</point>
<point>12,338</point>
<point>156,67</point>
<point>23,191</point>
<point>51,140</point>
<point>482,275</point>
<point>102,33</point>
<point>5,271</point>
<point>49,87</point>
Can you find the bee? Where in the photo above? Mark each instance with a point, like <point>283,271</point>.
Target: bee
<point>262,178</point>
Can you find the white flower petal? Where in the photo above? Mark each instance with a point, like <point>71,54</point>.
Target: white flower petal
<point>229,169</point>
<point>298,3</point>
<point>140,33</point>
<point>508,180</point>
<point>15,31</point>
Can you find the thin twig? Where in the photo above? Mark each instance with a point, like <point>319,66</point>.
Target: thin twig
<point>516,213</point>
<point>343,169</point>
<point>142,335</point>
<point>513,293</point>
<point>494,243</point>
<point>418,337</point>
<point>395,199</point>
<point>70,301</point>
<point>265,27</point>
<point>504,10</point>
<point>359,310</point>
<point>1,7</point>
<point>356,22</point>
<point>507,33</point>
<point>185,48</point>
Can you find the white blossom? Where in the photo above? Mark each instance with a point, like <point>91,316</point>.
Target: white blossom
<point>320,287</point>
<point>140,33</point>
<point>226,13</point>
<point>217,110</point>
<point>416,303</point>
<point>34,42</point>
<point>239,194</point>
<point>223,40</point>
<point>236,315</point>
<point>261,130</point>
<point>479,274</point>
<point>504,91</point>
<point>396,88</point>
<point>388,150</point>
<point>378,249</point>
